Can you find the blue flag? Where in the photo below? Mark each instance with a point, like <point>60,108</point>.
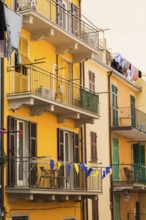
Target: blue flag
<point>51,164</point>
<point>68,168</point>
<point>89,172</point>
<point>103,174</point>
<point>107,170</point>
<point>83,167</point>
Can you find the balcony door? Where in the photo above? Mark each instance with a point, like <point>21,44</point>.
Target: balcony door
<point>20,149</point>
<point>139,162</point>
<point>22,155</point>
<point>68,152</point>
<point>62,13</point>
<point>114,105</point>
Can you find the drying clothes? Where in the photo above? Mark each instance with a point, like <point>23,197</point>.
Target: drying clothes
<point>140,74</point>
<point>125,67</point>
<point>13,24</point>
<point>2,22</point>
<point>114,64</point>
<point>135,76</point>
<point>121,61</point>
<point>3,53</point>
<point>130,66</point>
<point>133,70</point>
<point>129,74</point>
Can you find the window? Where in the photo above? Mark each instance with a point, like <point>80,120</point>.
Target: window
<point>68,151</point>
<point>62,13</point>
<point>93,143</point>
<point>74,11</point>
<point>20,147</point>
<point>91,81</point>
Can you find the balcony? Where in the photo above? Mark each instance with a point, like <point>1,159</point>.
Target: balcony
<point>129,177</point>
<point>130,123</point>
<point>138,216</point>
<point>62,27</point>
<point>34,180</point>
<point>43,91</point>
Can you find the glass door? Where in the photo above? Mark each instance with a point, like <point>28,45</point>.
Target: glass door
<point>21,161</point>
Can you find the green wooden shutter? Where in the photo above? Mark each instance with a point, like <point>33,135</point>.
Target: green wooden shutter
<point>11,152</point>
<point>116,206</point>
<point>139,161</point>
<point>133,113</point>
<point>33,151</point>
<point>115,152</point>
<point>114,106</point>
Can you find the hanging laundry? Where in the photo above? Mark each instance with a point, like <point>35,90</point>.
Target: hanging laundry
<point>13,25</point>
<point>133,70</point>
<point>140,74</point>
<point>125,67</point>
<point>135,76</point>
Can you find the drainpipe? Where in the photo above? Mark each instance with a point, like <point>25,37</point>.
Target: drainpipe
<point>84,155</point>
<point>110,144</point>
<point>1,138</point>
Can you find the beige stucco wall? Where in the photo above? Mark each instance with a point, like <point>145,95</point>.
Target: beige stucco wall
<point>102,130</point>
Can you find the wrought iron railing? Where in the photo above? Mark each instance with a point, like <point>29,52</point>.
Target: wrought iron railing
<point>129,173</point>
<point>67,19</point>
<point>137,216</point>
<point>127,116</point>
<point>37,81</point>
<point>30,173</point>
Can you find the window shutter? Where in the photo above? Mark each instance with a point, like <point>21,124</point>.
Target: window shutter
<point>60,144</point>
<point>33,151</point>
<point>93,138</point>
<point>74,18</point>
<point>76,148</point>
<point>11,151</point>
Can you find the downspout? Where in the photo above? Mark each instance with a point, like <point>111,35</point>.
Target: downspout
<point>110,143</point>
<point>1,138</point>
<point>84,154</point>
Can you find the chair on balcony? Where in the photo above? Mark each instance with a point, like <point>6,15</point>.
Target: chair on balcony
<point>129,174</point>
<point>50,175</point>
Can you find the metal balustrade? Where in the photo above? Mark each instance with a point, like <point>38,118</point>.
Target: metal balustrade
<point>30,173</point>
<point>129,173</point>
<point>127,116</point>
<point>137,216</point>
<point>67,19</point>
<point>42,83</point>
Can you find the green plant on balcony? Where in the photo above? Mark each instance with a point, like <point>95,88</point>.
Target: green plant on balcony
<point>3,159</point>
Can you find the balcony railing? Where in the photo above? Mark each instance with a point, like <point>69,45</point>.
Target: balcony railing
<point>41,83</point>
<point>137,216</point>
<point>129,173</point>
<point>126,116</point>
<point>37,174</point>
<point>67,19</point>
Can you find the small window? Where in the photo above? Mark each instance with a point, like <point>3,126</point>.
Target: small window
<point>93,141</point>
<point>20,218</point>
<point>91,81</point>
